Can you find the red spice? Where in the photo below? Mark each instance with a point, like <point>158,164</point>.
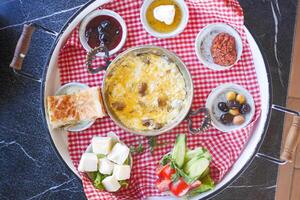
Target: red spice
<point>223,49</point>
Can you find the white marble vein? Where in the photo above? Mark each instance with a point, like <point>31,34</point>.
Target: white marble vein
<point>53,188</point>
<point>70,189</point>
<point>5,2</point>
<point>265,187</point>
<point>277,7</point>
<point>40,18</point>
<point>276,16</point>
<point>23,133</point>
<point>4,144</point>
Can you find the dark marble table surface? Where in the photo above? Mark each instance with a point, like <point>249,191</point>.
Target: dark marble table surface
<point>29,166</point>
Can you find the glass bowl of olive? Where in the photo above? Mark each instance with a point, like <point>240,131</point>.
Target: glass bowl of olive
<point>231,107</point>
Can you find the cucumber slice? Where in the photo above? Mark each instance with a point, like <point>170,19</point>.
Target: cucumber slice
<point>193,153</point>
<point>179,149</point>
<point>206,155</point>
<point>195,167</point>
<point>205,173</point>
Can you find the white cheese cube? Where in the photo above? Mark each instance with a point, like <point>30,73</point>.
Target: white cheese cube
<point>102,145</point>
<point>111,184</point>
<point>88,163</point>
<point>119,153</point>
<point>122,172</point>
<point>105,166</point>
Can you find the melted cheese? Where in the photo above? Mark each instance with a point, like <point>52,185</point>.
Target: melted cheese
<point>165,84</point>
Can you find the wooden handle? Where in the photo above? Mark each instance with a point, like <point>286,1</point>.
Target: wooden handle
<point>292,140</point>
<point>22,46</point>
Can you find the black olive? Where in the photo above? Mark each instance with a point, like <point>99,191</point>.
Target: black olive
<point>234,104</point>
<point>104,24</point>
<point>245,108</point>
<point>226,118</point>
<point>117,32</point>
<point>223,106</point>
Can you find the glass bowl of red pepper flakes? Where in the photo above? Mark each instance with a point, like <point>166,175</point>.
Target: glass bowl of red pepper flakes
<point>218,46</point>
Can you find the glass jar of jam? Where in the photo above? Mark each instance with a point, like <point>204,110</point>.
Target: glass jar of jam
<point>103,29</point>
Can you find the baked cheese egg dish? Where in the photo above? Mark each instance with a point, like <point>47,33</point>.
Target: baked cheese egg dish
<point>145,91</point>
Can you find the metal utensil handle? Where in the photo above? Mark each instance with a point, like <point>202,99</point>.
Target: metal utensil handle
<point>23,47</point>
<point>292,139</point>
<point>91,56</point>
<point>206,123</point>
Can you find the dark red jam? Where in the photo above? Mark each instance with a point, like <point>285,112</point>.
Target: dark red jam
<point>103,29</point>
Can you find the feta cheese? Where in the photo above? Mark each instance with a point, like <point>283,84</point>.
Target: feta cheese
<point>119,153</point>
<point>102,145</point>
<point>164,13</point>
<point>111,184</point>
<point>105,166</point>
<point>88,163</point>
<point>122,172</point>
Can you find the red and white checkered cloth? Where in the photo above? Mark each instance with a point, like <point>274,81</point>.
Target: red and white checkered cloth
<point>225,147</point>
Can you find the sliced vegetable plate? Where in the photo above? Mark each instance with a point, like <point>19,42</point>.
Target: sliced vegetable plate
<point>183,171</point>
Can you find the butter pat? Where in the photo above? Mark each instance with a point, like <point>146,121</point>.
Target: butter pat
<point>102,145</point>
<point>105,166</point>
<point>122,172</point>
<point>119,153</point>
<point>164,13</point>
<point>111,184</point>
<point>88,163</point>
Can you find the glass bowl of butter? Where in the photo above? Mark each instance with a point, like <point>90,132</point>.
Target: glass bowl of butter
<point>164,18</point>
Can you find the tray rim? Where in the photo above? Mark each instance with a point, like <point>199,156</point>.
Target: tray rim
<point>50,65</point>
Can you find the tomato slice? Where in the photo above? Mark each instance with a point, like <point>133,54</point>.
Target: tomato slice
<point>165,172</point>
<point>163,184</point>
<point>195,184</point>
<point>179,188</point>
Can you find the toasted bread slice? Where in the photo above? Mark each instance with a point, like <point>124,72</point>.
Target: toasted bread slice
<point>66,110</point>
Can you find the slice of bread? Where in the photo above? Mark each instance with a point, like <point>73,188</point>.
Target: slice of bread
<point>66,110</point>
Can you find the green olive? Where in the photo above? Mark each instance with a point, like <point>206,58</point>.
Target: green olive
<point>241,98</point>
<point>230,96</point>
<point>234,112</point>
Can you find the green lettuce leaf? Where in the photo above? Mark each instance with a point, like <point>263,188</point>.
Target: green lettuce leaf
<point>92,175</point>
<point>124,183</point>
<point>98,181</point>
<point>99,156</point>
<point>207,183</point>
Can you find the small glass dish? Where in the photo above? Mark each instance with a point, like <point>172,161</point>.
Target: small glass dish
<point>204,42</point>
<point>72,88</point>
<point>184,20</point>
<point>219,95</point>
<point>90,17</point>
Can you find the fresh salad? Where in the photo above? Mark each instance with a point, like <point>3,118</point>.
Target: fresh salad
<point>185,171</point>
<point>107,163</point>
